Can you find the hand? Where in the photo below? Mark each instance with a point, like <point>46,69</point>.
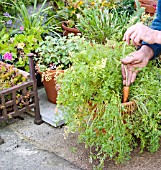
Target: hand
<point>133,62</point>
<point>138,33</point>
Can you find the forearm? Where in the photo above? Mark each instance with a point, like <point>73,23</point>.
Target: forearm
<point>157,36</point>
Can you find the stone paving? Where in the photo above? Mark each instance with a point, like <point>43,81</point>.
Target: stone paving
<point>43,147</point>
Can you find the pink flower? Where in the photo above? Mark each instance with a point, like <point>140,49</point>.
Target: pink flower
<point>7,56</point>
<point>21,28</point>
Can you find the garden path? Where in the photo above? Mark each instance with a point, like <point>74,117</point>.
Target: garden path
<point>43,147</point>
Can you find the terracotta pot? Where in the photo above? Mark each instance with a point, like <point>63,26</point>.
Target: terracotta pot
<point>150,6</point>
<point>68,30</point>
<point>51,86</point>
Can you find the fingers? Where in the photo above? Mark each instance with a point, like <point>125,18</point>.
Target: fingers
<point>130,59</point>
<point>123,72</point>
<point>129,70</point>
<point>128,75</point>
<point>134,76</point>
<point>132,37</point>
<point>137,40</point>
<point>128,33</point>
<point>124,82</point>
<point>131,77</point>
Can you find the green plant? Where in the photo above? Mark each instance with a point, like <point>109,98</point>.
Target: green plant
<point>9,44</point>
<point>10,77</point>
<point>101,24</point>
<point>36,18</point>
<point>5,5</point>
<point>91,96</point>
<point>6,20</point>
<point>69,11</point>
<point>55,53</point>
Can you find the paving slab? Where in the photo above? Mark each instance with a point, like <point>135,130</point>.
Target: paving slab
<point>48,110</point>
<point>23,137</point>
<point>19,154</point>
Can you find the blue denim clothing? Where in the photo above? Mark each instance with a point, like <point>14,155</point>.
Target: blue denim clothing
<point>156,25</point>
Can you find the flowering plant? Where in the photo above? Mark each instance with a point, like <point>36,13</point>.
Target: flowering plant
<point>7,56</point>
<point>70,11</point>
<point>14,49</point>
<point>6,20</point>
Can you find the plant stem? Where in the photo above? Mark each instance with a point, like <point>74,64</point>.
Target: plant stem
<point>123,55</point>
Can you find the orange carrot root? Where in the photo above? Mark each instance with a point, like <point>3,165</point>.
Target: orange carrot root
<point>126,91</point>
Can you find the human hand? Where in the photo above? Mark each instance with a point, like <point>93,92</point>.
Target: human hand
<point>133,62</point>
<point>138,33</point>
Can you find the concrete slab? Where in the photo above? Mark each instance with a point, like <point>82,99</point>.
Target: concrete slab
<point>49,111</point>
<point>40,140</point>
<point>19,154</point>
<point>51,139</point>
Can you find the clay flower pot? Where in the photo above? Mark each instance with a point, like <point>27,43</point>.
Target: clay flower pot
<point>150,6</point>
<point>50,85</point>
<point>68,30</point>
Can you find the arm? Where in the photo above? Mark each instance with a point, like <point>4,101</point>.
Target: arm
<point>156,25</point>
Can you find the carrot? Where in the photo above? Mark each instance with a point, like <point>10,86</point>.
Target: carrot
<point>126,91</point>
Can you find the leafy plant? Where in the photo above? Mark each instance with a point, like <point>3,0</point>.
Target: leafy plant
<point>10,77</point>
<point>6,20</point>
<point>101,24</point>
<point>72,9</point>
<point>36,18</point>
<point>91,96</point>
<point>9,45</point>
<point>69,11</point>
<point>55,52</point>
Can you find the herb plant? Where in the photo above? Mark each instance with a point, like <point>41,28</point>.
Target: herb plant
<point>101,23</point>
<point>91,95</point>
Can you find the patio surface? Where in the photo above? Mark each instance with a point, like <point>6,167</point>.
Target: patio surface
<point>43,147</point>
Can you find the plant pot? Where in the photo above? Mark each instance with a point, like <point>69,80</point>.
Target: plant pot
<point>51,85</point>
<point>68,30</point>
<point>149,5</point>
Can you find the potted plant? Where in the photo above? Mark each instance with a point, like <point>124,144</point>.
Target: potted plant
<point>67,29</point>
<point>53,57</point>
<point>92,101</point>
<point>69,12</point>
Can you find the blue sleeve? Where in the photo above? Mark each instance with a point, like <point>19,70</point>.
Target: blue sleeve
<point>156,25</point>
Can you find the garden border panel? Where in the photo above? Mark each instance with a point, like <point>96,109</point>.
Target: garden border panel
<point>27,94</point>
